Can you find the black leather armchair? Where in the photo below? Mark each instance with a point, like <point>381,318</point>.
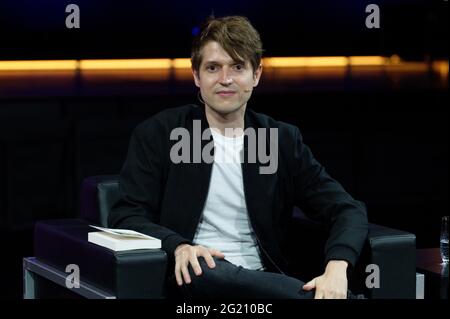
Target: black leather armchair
<point>142,273</point>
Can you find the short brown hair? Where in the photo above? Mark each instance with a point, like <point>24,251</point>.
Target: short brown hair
<point>236,36</point>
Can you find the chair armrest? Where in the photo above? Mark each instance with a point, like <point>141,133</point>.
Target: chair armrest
<point>126,274</point>
<point>392,250</point>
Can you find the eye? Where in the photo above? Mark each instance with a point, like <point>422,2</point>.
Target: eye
<point>211,68</point>
<point>238,67</point>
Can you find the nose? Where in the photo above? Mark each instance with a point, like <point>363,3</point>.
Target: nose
<point>225,77</point>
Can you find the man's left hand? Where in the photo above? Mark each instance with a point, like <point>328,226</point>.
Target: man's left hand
<point>332,284</point>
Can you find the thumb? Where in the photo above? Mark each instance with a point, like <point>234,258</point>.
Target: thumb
<point>310,285</point>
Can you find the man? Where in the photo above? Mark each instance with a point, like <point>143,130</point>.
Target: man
<point>222,222</point>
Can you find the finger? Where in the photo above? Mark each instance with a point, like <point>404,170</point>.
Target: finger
<point>178,274</point>
<point>195,265</point>
<point>217,253</point>
<point>332,295</point>
<point>310,285</point>
<point>185,272</point>
<point>328,295</point>
<point>341,295</point>
<point>318,295</point>
<point>209,260</point>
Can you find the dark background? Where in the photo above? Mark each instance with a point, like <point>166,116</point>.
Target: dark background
<point>36,29</point>
<point>384,139</point>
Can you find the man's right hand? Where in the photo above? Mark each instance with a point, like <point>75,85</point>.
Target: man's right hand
<point>186,254</point>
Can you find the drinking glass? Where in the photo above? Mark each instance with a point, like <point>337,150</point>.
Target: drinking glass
<point>444,239</point>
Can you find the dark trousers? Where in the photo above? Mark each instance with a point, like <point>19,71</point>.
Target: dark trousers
<point>227,280</point>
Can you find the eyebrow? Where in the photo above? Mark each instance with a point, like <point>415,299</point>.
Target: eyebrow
<point>214,62</point>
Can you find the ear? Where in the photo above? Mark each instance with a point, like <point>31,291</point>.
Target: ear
<point>196,77</point>
<point>257,75</point>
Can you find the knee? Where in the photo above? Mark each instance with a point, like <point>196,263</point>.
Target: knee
<point>204,285</point>
<point>208,275</point>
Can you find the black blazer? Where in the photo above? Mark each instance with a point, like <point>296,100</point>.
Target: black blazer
<point>166,200</point>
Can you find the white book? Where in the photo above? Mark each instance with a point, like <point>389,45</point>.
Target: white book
<point>122,239</point>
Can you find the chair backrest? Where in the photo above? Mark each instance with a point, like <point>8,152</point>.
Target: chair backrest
<point>98,194</point>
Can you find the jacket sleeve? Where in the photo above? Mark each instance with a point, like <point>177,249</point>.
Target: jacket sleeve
<point>322,198</point>
<point>141,185</point>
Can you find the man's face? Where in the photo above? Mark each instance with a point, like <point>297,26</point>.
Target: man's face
<point>225,85</point>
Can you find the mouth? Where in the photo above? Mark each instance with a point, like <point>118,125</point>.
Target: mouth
<point>225,93</point>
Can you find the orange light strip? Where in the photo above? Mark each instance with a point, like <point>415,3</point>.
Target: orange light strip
<point>185,63</point>
<point>38,65</point>
<point>441,67</point>
<point>367,60</point>
<point>288,62</point>
<point>125,64</point>
<point>181,63</point>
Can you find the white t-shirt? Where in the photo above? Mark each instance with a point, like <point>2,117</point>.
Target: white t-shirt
<point>225,224</point>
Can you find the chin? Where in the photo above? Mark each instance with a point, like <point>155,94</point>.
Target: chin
<point>225,109</point>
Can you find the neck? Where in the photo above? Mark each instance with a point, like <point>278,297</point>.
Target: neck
<point>221,121</point>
